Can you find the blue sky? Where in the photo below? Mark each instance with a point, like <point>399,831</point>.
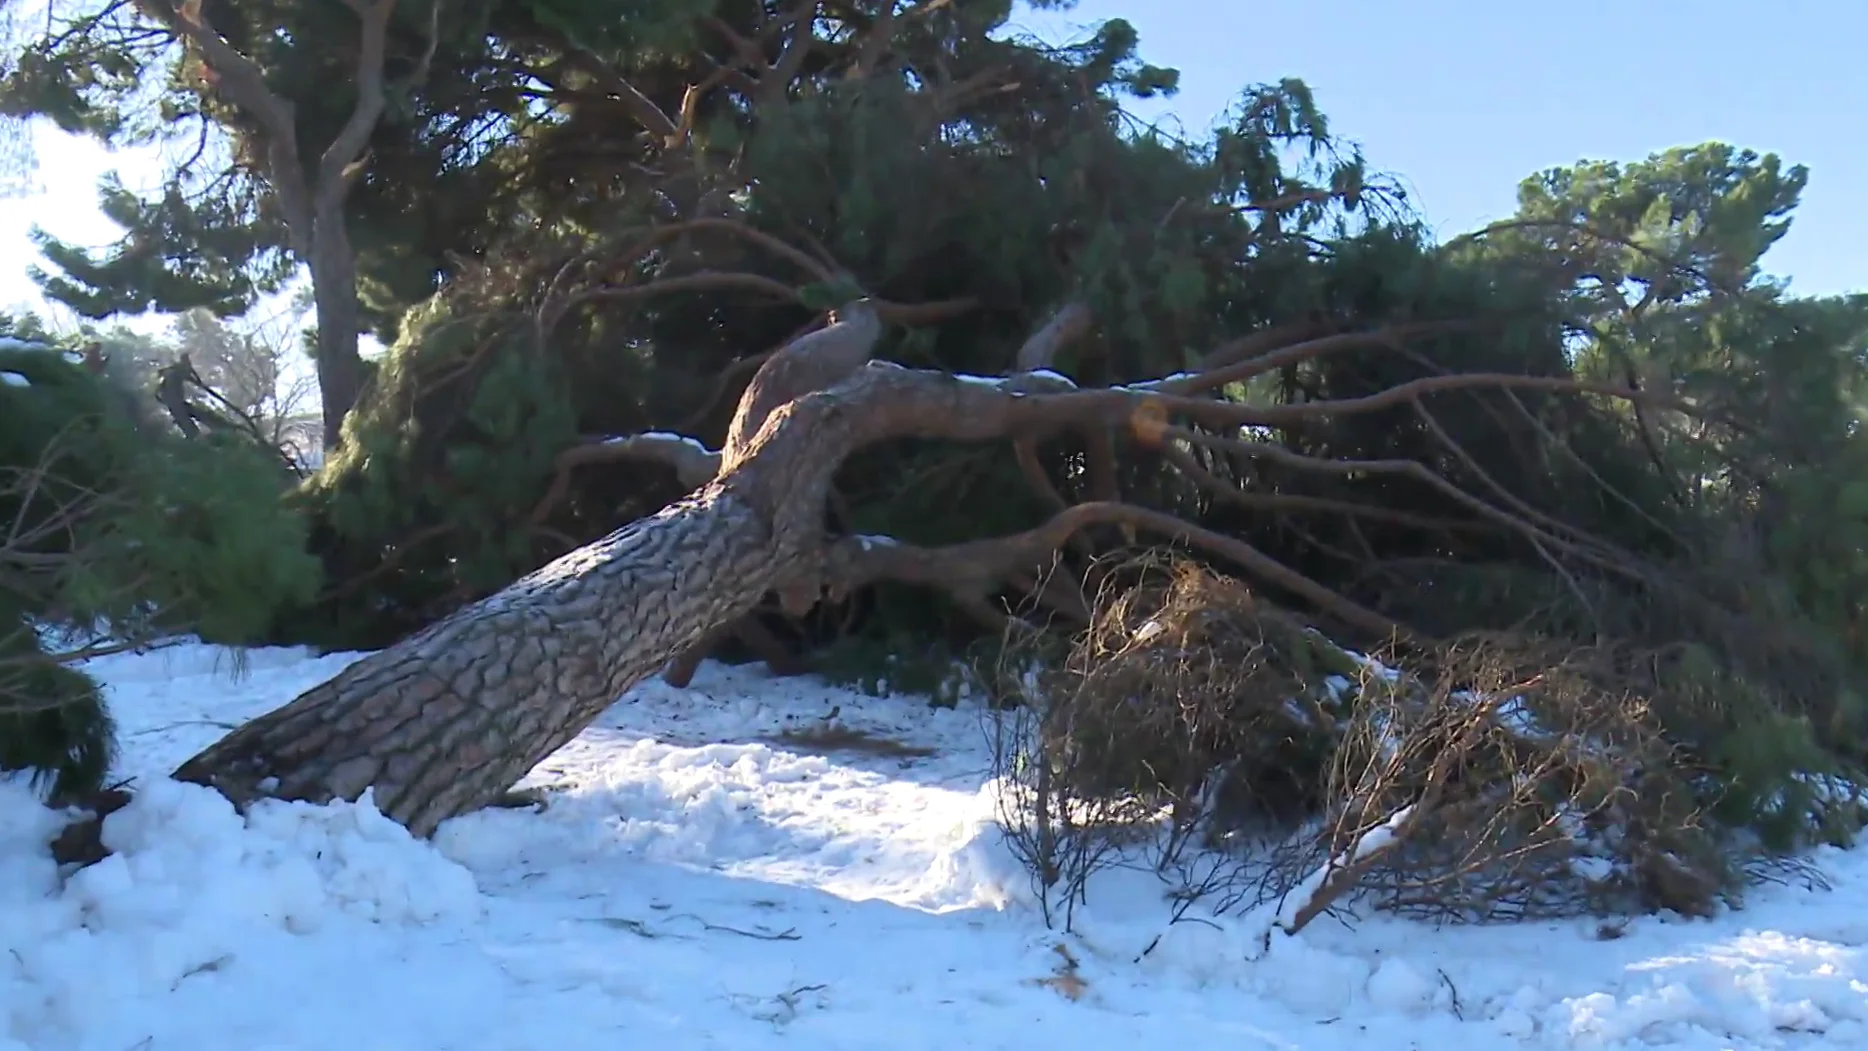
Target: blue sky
<point>1461,98</point>
<point>1464,98</point>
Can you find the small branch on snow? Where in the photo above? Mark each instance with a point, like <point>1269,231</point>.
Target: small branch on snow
<point>1337,876</point>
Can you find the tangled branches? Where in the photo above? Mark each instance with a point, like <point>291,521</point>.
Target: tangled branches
<point>52,719</point>
<point>1253,764</point>
<point>112,536</point>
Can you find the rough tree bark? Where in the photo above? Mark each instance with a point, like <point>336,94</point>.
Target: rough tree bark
<point>450,719</point>
<point>446,721</point>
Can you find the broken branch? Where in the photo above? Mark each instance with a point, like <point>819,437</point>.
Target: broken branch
<point>694,464</point>
<point>976,568</point>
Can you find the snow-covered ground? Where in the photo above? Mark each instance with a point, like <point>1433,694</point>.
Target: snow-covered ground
<point>701,881</point>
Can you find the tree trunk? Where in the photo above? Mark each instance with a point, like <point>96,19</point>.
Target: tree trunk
<point>334,291</point>
<point>311,200</point>
<point>447,720</point>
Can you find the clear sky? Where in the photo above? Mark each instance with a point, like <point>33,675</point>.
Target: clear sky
<point>1464,98</point>
<point>1461,98</point>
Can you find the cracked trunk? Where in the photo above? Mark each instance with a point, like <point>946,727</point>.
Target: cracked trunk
<point>446,721</point>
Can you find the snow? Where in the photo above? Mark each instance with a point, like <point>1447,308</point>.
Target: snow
<point>663,436</point>
<point>1052,376</point>
<point>709,873</point>
<point>14,379</point>
<point>1036,381</point>
<point>1163,383</point>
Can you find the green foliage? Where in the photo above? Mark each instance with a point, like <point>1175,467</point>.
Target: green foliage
<point>461,460</point>
<point>53,720</point>
<point>175,258</point>
<point>126,532</point>
<point>207,537</point>
<point>1711,210</point>
<point>191,534</point>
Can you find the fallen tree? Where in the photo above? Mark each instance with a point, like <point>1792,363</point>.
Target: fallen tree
<point>579,246</point>
<point>450,719</point>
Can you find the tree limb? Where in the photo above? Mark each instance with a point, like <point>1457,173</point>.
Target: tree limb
<point>815,361</point>
<point>335,165</point>
<point>1185,463</point>
<point>1039,352</point>
<point>694,464</point>
<point>1068,325</point>
<point>770,80</point>
<point>1236,368</point>
<point>803,35</point>
<point>974,569</point>
<point>1406,468</point>
<point>1409,392</point>
<point>240,81</point>
<point>875,42</point>
<point>640,106</point>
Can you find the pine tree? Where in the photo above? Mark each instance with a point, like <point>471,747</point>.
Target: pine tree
<point>118,533</point>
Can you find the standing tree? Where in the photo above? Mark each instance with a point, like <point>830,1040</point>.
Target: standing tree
<point>250,81</point>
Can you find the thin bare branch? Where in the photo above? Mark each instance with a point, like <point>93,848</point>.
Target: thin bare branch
<point>1263,342</point>
<point>694,464</point>
<point>1213,377</point>
<point>977,568</point>
<point>1221,489</point>
<point>1404,393</point>
<point>642,108</point>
